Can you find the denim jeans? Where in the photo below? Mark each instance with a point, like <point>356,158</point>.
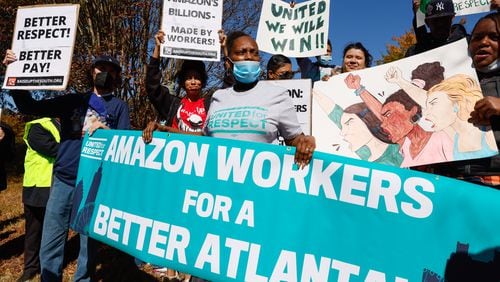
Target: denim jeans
<point>55,234</point>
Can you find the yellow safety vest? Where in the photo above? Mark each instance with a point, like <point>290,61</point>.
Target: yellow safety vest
<point>38,168</point>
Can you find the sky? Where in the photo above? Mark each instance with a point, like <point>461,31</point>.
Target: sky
<point>372,23</point>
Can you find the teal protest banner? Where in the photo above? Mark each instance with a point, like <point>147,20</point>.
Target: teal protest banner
<point>228,210</point>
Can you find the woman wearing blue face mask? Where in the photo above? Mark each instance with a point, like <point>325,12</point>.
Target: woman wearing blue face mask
<point>322,69</point>
<point>254,110</point>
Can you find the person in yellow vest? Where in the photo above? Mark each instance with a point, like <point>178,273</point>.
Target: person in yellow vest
<point>42,139</point>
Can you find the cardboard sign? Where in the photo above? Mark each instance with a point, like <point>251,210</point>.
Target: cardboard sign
<point>191,29</point>
<point>301,31</point>
<point>406,113</point>
<point>43,42</point>
<point>229,210</point>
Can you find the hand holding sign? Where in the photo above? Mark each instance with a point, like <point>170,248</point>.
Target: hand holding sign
<point>159,39</point>
<point>222,41</point>
<point>305,145</point>
<point>484,109</point>
<point>10,57</point>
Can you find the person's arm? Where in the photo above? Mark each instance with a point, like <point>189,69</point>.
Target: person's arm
<point>290,129</point>
<point>420,31</point>
<point>7,142</point>
<point>42,141</point>
<point>304,148</point>
<point>147,133</point>
<point>54,107</point>
<point>484,110</point>
<point>167,128</point>
<point>10,57</point>
<point>222,41</point>
<point>308,69</point>
<point>158,41</point>
<point>158,95</point>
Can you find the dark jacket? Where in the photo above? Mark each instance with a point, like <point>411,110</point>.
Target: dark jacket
<point>426,42</point>
<point>7,147</point>
<point>166,104</point>
<point>71,110</point>
<point>311,70</point>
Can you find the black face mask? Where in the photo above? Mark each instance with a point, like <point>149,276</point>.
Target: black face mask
<point>103,80</point>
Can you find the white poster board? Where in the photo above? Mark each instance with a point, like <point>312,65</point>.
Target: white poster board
<point>300,92</point>
<point>468,7</point>
<point>301,31</point>
<point>191,29</point>
<point>43,42</point>
<point>462,8</point>
<point>364,115</point>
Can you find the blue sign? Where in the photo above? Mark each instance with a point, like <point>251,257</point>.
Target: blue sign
<point>229,210</point>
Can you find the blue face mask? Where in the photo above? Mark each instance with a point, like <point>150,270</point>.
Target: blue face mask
<point>325,60</point>
<point>246,71</point>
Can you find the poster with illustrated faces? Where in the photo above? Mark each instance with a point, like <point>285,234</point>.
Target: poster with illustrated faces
<point>410,112</point>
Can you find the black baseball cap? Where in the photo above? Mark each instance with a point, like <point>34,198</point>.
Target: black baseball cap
<point>105,59</point>
<point>439,8</point>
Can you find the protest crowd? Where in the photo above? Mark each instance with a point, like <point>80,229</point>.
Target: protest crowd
<point>389,131</point>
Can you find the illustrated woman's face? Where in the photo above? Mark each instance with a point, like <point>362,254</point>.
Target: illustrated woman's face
<point>354,131</point>
<point>440,110</point>
<point>396,121</point>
